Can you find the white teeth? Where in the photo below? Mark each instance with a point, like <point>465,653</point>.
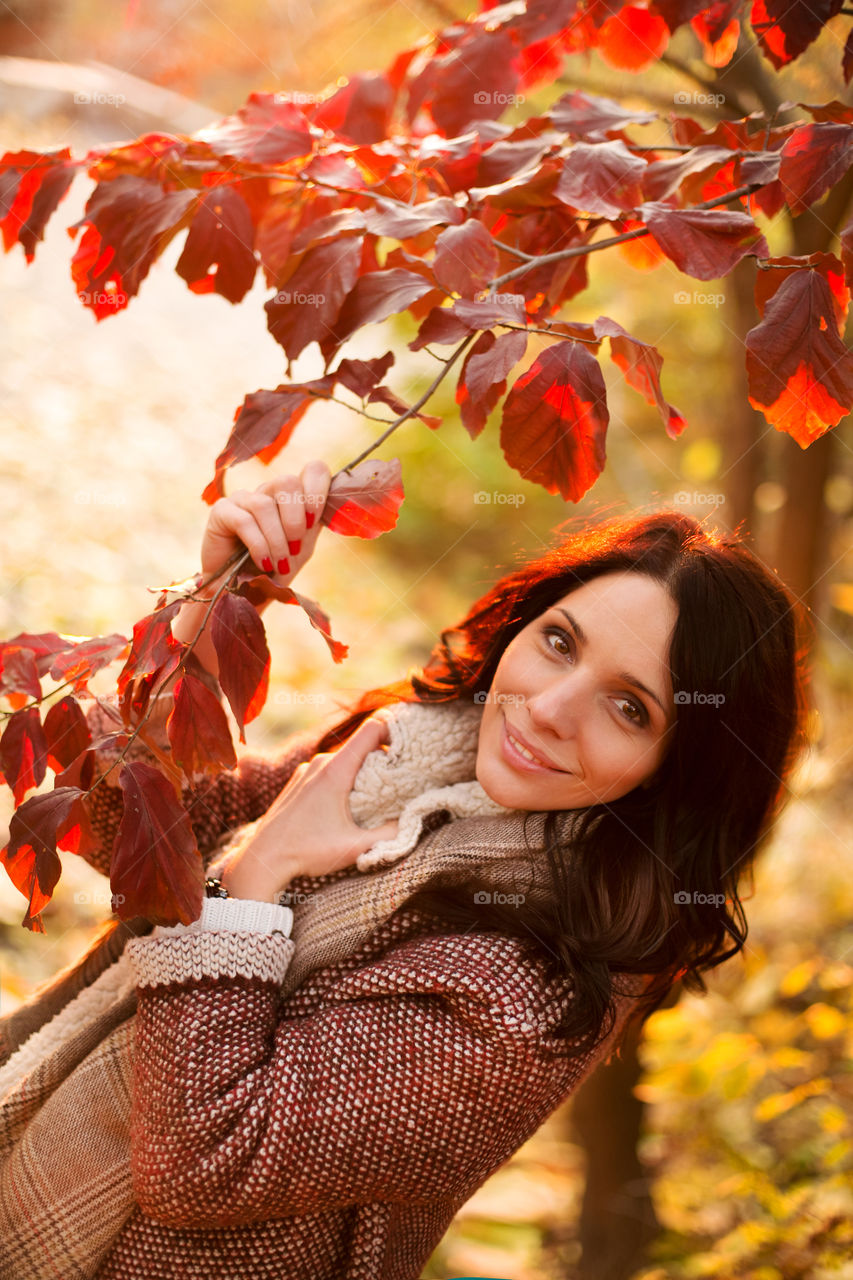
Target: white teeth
<point>527,754</point>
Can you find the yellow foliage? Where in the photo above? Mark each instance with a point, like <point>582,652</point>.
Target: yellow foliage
<point>776,1104</point>
<point>824,1021</point>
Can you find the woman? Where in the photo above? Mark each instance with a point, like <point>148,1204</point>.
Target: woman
<point>588,762</point>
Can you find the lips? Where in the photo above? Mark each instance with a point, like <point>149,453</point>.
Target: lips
<point>511,742</point>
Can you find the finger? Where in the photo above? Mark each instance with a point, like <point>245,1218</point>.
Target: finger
<point>369,838</point>
<point>350,756</point>
<point>316,479</point>
<point>269,544</point>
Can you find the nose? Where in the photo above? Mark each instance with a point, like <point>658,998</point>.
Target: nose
<point>556,708</point>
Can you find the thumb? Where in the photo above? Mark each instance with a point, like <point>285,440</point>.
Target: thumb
<point>369,736</point>
<point>373,835</point>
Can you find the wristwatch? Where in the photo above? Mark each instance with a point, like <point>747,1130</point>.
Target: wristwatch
<point>215,888</point>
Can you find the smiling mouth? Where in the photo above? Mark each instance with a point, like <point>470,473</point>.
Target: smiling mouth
<point>519,748</point>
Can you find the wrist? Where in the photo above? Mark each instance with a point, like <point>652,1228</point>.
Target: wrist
<point>247,879</point>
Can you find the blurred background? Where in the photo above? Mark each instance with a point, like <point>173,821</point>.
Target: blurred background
<point>109,434</point>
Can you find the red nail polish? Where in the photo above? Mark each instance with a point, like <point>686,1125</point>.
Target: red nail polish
<point>266,564</point>
<point>294,547</point>
<point>309,519</point>
<point>283,566</point>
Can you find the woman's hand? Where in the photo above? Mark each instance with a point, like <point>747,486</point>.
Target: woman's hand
<point>278,523</point>
<point>309,829</point>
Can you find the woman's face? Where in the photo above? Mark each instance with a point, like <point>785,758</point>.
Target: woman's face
<point>586,689</point>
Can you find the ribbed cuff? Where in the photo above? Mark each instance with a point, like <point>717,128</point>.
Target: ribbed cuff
<point>198,954</point>
<point>241,915</point>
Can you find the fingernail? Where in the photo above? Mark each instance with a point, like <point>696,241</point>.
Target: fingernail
<point>266,563</point>
<point>309,520</point>
<point>284,565</point>
<point>294,547</point>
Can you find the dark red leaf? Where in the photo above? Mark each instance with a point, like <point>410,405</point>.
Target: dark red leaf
<point>23,752</point>
<point>800,372</point>
<point>676,12</point>
<point>30,857</point>
<point>87,657</point>
<point>555,421</point>
<point>66,732</point>
<point>363,502</point>
<point>477,81</point>
<point>402,221</point>
<point>663,177</point>
<point>156,869</point>
<point>847,60</point>
<point>384,395</point>
<point>361,376</point>
<point>640,364</point>
<point>504,160</point>
<point>240,642</point>
<point>263,425</point>
<point>500,308</point>
<point>19,678</point>
<point>785,28</point>
<point>153,644</point>
<point>336,225</point>
<point>320,621</point>
<point>482,381</point>
<point>31,186</point>
<point>43,646</point>
<point>601,177</point>
<point>128,221</point>
<point>704,243</point>
<point>198,730</point>
<point>221,236</point>
<point>441,326</point>
<point>814,159</point>
<point>771,274</point>
<point>267,130</point>
<point>375,297</point>
<point>466,260</point>
<point>307,305</point>
<point>587,115</point>
<point>257,588</point>
<point>360,110</point>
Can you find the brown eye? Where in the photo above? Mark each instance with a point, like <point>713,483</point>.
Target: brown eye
<point>557,636</point>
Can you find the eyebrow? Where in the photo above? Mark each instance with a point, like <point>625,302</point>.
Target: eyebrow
<point>621,675</point>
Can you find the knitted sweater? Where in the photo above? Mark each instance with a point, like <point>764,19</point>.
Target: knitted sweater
<point>333,1132</point>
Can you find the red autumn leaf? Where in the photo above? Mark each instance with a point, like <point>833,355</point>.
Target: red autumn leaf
<point>263,424</point>
<point>376,296</point>
<point>267,130</point>
<point>363,502</point>
<point>704,243</point>
<point>555,421</point>
<point>384,395</point>
<point>241,648</point>
<point>785,28</point>
<point>19,677</point>
<point>221,237</point>
<point>771,274</point>
<point>482,381</point>
<point>847,60</point>
<point>814,159</point>
<point>30,857</point>
<point>257,588</point>
<point>360,110</point>
<point>633,38</point>
<point>23,752</point>
<point>307,304</point>
<point>400,221</point>
<point>591,116</point>
<point>153,644</point>
<point>601,177</point>
<point>507,159</point>
<point>361,376</point>
<point>338,224</point>
<point>664,177</point>
<point>128,221</point>
<point>800,373</point>
<point>66,732</point>
<point>719,37</point>
<point>476,81</point>
<point>156,869</point>
<point>441,326</point>
<point>466,260</point>
<point>640,364</point>
<point>31,187</point>
<point>198,730</point>
<point>44,646</point>
<point>81,662</point>
<point>500,308</point>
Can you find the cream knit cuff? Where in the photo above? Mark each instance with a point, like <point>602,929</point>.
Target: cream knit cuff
<point>243,915</point>
<point>209,953</point>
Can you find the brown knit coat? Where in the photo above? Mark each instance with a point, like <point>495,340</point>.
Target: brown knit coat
<point>327,1128</point>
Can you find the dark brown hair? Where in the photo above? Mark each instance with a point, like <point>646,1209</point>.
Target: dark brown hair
<point>647,883</point>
